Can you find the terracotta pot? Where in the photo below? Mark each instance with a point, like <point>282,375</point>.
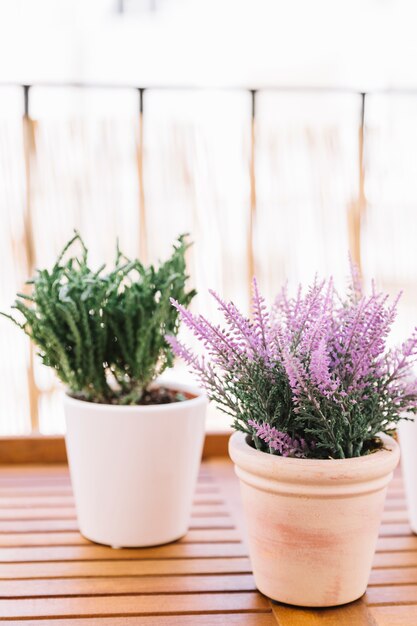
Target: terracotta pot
<point>134,468</point>
<point>407,431</point>
<point>312,524</point>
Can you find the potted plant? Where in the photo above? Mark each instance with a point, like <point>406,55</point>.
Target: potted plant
<point>134,444</point>
<point>313,394</point>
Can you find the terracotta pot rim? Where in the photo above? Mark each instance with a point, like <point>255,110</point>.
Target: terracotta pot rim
<point>323,473</point>
<point>198,399</point>
<point>241,442</point>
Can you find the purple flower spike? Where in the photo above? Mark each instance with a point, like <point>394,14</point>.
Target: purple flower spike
<point>278,441</point>
<point>316,365</point>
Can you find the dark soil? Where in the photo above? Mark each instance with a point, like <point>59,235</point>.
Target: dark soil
<point>154,396</point>
<point>162,395</point>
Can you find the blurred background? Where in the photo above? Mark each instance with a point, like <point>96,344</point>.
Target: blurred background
<point>280,134</point>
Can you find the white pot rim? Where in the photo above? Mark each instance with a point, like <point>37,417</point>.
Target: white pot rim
<point>199,399</point>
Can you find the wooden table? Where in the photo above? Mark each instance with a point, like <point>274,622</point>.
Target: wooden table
<point>50,575</point>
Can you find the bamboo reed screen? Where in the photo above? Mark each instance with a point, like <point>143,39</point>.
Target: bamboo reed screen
<point>282,186</point>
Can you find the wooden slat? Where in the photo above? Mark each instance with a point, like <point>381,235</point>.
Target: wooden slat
<point>397,481</point>
<point>37,514</point>
<point>216,445</point>
<point>125,586</point>
<point>394,576</point>
<point>395,559</point>
<point>219,619</point>
<point>215,510</point>
<point>134,605</point>
<point>395,615</point>
<point>33,449</point>
<point>208,535</point>
<point>392,544</point>
<point>40,490</point>
<point>19,480</point>
<point>355,614</point>
<point>98,553</point>
<point>29,526</point>
<point>396,489</point>
<point>395,504</point>
<point>395,530</point>
<point>40,502</point>
<point>57,471</point>
<point>395,517</point>
<point>51,448</point>
<point>199,510</point>
<point>392,594</point>
<point>49,474</point>
<point>30,502</point>
<point>159,567</point>
<point>61,525</point>
<point>33,471</point>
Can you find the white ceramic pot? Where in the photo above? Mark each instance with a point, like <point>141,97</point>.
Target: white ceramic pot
<point>312,524</point>
<point>407,431</point>
<point>134,468</point>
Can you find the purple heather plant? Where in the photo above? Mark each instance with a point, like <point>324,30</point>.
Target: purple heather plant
<point>311,376</point>
<point>280,442</point>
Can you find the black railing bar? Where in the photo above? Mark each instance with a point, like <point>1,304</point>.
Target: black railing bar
<point>141,91</point>
<point>26,89</point>
<point>253,93</point>
<point>362,114</point>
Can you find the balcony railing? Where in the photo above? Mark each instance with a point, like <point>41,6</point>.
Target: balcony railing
<point>277,182</point>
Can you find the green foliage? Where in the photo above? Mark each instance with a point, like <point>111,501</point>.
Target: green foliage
<point>247,394</point>
<point>104,333</point>
<point>140,316</point>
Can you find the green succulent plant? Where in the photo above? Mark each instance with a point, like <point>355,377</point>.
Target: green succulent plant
<point>103,332</point>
